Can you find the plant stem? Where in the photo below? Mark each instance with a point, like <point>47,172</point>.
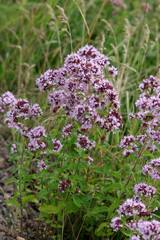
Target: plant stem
<point>20,192</point>
<point>96,21</point>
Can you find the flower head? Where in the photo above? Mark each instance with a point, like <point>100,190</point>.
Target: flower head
<point>42,165</point>
<point>57,145</point>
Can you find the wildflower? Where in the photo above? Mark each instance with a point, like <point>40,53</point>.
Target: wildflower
<point>84,142</point>
<point>68,180</point>
<point>132,225</point>
<point>6,100</point>
<point>64,185</point>
<point>35,144</point>
<point>57,99</point>
<point>42,165</point>
<point>126,141</point>
<point>77,191</point>
<point>153,169</point>
<point>146,6</point>
<point>131,207</point>
<point>144,190</point>
<point>37,132</point>
<point>113,71</point>
<point>148,229</point>
<point>35,110</point>
<point>118,3</point>
<point>137,198</point>
<point>14,148</point>
<point>57,145</point>
<point>43,153</point>
<point>89,160</point>
<point>156,237</point>
<point>45,81</point>
<point>68,87</point>
<point>67,130</point>
<point>116,223</point>
<point>135,237</point>
<point>103,138</point>
<point>154,209</point>
<point>113,121</point>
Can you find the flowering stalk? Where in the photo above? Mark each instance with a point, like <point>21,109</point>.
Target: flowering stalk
<point>139,155</point>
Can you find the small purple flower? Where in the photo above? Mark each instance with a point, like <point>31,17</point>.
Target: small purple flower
<point>68,180</point>
<point>35,110</point>
<point>89,160</point>
<point>14,148</point>
<point>144,190</point>
<point>131,207</point>
<point>67,130</point>
<point>153,169</point>
<point>57,145</point>
<point>6,100</point>
<point>77,191</point>
<point>135,237</point>
<point>116,223</point>
<point>118,3</point>
<point>147,7</point>
<point>113,71</point>
<point>84,142</point>
<point>37,132</point>
<point>42,165</point>
<point>64,185</point>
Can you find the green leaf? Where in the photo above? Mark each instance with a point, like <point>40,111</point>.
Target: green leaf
<point>43,194</point>
<point>103,225</point>
<point>11,203</point>
<point>115,174</point>
<point>29,198</point>
<point>101,147</point>
<point>125,232</point>
<point>97,210</point>
<point>52,209</point>
<point>71,208</point>
<point>48,209</point>
<point>114,186</point>
<point>11,180</point>
<point>98,170</point>
<point>76,200</point>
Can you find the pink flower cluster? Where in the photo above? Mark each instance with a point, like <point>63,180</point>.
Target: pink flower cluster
<point>89,160</point>
<point>34,136</point>
<point>81,90</point>
<point>144,190</point>
<point>84,142</point>
<point>135,211</point>
<point>57,145</point>
<point>116,223</point>
<point>7,100</point>
<point>147,7</point>
<point>67,130</point>
<point>14,148</point>
<point>118,3</point>
<point>145,228</point>
<point>19,111</point>
<point>64,185</point>
<point>153,169</point>
<point>135,237</point>
<point>42,165</point>
<point>148,105</point>
<point>131,207</point>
